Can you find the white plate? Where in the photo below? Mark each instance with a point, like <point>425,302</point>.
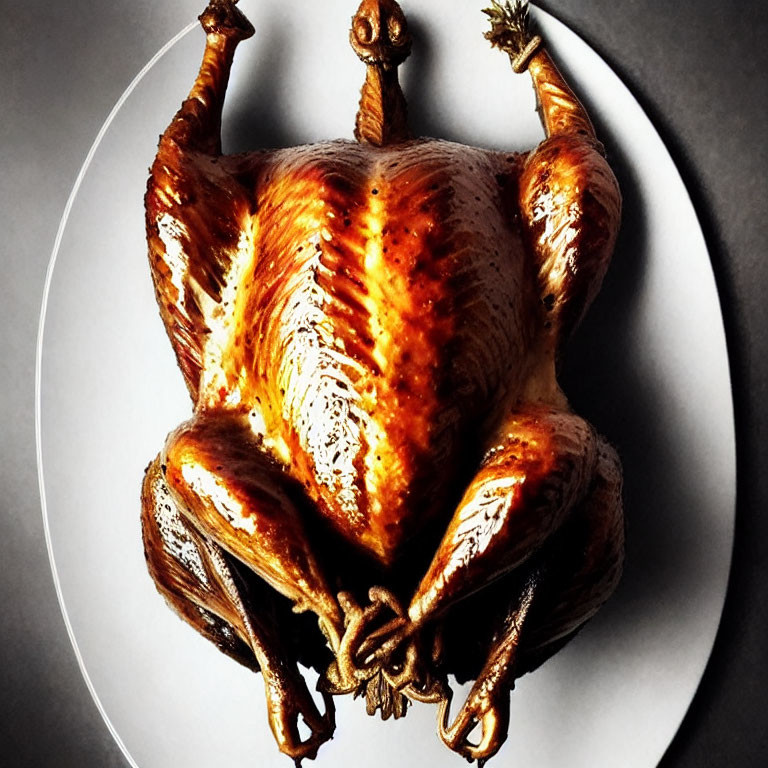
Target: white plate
<point>649,367</point>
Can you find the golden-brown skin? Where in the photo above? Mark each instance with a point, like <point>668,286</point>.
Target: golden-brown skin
<point>369,331</point>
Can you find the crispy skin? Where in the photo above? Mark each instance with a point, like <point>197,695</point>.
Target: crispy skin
<point>571,205</point>
<point>380,293</point>
<point>369,333</point>
<point>371,307</point>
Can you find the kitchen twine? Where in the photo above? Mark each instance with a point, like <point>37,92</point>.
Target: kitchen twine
<point>520,62</point>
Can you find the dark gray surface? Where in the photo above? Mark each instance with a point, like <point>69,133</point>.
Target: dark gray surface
<point>699,71</point>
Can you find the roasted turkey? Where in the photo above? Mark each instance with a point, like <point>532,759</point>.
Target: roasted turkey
<point>381,477</point>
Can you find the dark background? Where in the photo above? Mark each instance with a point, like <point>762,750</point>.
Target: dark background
<point>697,68</point>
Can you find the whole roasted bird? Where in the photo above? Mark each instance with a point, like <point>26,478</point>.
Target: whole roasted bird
<point>369,332</point>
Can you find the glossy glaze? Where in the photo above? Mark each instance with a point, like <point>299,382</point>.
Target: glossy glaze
<point>369,333</point>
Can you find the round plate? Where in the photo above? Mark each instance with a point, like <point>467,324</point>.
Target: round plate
<point>649,368</point>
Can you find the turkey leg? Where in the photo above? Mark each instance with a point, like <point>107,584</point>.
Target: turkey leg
<point>201,583</point>
<point>572,577</point>
<point>238,496</point>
